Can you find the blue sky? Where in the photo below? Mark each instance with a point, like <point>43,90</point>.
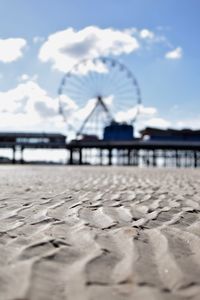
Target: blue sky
<point>169,82</point>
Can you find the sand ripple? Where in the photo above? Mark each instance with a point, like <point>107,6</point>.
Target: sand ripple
<point>99,233</point>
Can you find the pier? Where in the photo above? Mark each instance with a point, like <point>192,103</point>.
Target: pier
<point>136,153</point>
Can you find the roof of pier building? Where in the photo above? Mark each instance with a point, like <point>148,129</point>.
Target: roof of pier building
<point>31,134</point>
<point>185,134</point>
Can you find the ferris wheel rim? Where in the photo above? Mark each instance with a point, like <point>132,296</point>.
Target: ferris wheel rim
<point>104,59</point>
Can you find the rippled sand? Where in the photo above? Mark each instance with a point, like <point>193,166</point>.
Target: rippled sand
<point>99,233</point>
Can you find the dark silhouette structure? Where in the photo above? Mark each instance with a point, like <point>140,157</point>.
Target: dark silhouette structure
<point>156,147</point>
<point>118,132</point>
<point>137,153</point>
<point>33,140</point>
<point>156,134</point>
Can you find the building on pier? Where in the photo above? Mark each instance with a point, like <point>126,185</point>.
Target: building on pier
<point>156,134</point>
<point>118,132</point>
<point>19,141</point>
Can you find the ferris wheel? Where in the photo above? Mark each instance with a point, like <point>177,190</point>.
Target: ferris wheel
<point>96,92</point>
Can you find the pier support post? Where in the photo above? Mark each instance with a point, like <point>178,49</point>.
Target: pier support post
<point>148,161</point>
<point>14,160</point>
<point>22,155</point>
<point>129,157</point>
<point>71,157</point>
<point>185,159</point>
<point>136,158</point>
<point>101,157</point>
<point>195,159</point>
<point>177,159</point>
<point>110,157</point>
<point>118,157</point>
<point>80,157</point>
<point>164,158</point>
<point>154,158</point>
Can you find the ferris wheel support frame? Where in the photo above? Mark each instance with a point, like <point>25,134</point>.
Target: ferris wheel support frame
<point>100,103</point>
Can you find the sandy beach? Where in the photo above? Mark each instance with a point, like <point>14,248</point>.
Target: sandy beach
<point>80,233</point>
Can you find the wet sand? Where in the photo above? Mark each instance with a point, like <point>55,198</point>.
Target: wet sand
<point>80,233</point>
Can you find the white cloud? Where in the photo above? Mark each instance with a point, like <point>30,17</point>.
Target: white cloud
<point>109,101</point>
<point>147,111</point>
<point>11,49</point>
<point>130,114</point>
<point>158,123</point>
<point>82,113</point>
<point>74,114</point>
<point>163,123</point>
<point>91,65</point>
<point>38,39</point>
<point>147,34</point>
<point>65,48</point>
<point>25,98</point>
<point>68,104</point>
<point>28,106</point>
<point>26,77</point>
<point>174,54</point>
<point>189,123</point>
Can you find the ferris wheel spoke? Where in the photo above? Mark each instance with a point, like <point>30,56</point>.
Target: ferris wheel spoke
<point>125,88</point>
<point>118,82</point>
<point>85,80</point>
<point>79,86</point>
<point>121,75</point>
<point>111,80</point>
<point>117,74</point>
<point>96,78</point>
<point>76,92</point>
<point>92,83</point>
<point>123,107</point>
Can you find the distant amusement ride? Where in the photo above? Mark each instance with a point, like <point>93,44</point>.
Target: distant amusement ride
<point>100,98</point>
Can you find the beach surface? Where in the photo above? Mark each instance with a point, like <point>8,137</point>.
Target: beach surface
<point>79,233</point>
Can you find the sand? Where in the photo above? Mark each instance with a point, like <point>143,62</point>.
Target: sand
<point>80,233</point>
